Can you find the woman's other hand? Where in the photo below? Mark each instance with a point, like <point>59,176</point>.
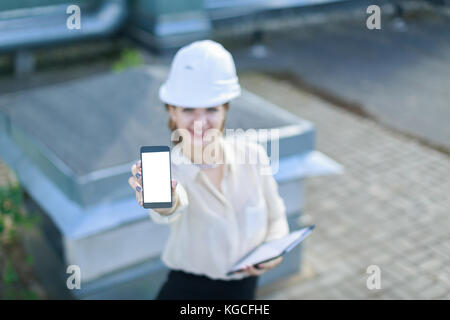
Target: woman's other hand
<point>263,267</point>
<point>135,181</point>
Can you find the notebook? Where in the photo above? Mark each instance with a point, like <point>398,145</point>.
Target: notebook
<point>272,249</point>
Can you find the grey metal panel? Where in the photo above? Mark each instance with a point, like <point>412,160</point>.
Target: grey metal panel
<point>99,123</point>
<point>66,214</point>
<point>296,134</point>
<point>115,249</point>
<point>291,145</point>
<point>292,193</point>
<point>91,130</point>
<point>165,26</point>
<point>222,9</point>
<point>170,30</point>
<point>313,163</point>
<point>95,123</point>
<point>143,280</point>
<point>106,190</point>
<point>263,4</point>
<point>140,282</point>
<point>48,163</point>
<point>48,26</point>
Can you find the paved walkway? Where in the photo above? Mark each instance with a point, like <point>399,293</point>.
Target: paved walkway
<point>391,208</point>
<point>399,74</point>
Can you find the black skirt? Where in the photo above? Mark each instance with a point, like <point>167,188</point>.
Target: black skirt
<point>181,285</point>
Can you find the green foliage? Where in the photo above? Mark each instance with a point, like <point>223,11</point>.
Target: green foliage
<point>29,260</point>
<point>10,199</point>
<point>12,217</point>
<point>21,294</point>
<point>12,213</point>
<point>128,58</point>
<point>9,275</point>
<point>30,295</point>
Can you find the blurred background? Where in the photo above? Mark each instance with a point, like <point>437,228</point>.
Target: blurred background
<point>364,151</point>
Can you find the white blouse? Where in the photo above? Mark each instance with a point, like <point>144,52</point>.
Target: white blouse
<point>212,230</point>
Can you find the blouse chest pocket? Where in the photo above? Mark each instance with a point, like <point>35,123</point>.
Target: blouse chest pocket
<point>256,220</point>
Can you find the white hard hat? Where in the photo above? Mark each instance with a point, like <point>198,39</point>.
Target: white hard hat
<point>202,75</point>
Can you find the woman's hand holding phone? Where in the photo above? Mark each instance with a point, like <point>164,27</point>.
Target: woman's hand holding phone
<point>135,181</point>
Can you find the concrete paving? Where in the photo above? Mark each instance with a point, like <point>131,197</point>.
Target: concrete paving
<point>390,208</point>
<point>399,75</point>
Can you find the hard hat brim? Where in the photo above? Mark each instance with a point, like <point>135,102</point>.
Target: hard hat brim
<point>194,103</point>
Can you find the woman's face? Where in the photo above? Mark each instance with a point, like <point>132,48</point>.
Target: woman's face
<point>198,121</point>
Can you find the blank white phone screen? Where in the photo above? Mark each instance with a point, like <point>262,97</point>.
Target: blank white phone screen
<point>156,176</point>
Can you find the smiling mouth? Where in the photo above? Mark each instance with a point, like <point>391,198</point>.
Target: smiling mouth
<point>198,134</point>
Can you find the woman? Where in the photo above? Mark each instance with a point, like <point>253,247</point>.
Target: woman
<point>222,209</point>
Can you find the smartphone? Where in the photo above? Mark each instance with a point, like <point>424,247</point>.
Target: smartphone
<point>156,176</point>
